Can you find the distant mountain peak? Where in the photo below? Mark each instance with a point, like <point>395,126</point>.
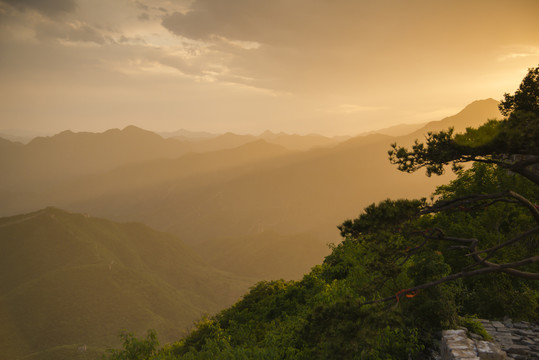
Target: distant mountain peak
<point>133,128</point>
<point>267,133</point>
<point>66,132</point>
<point>477,109</point>
<point>479,105</point>
<point>472,115</point>
<point>232,135</point>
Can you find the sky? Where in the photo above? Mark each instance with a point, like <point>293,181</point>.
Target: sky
<point>333,67</point>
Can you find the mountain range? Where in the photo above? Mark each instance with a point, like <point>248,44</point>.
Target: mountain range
<point>212,198</point>
<point>191,224</point>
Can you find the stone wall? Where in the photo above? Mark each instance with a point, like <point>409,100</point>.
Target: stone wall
<point>511,341</point>
<point>456,345</point>
<point>520,340</point>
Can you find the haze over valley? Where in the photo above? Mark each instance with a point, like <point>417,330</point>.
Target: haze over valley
<point>244,191</point>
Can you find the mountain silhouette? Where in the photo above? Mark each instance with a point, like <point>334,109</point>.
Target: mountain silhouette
<point>48,160</point>
<point>473,115</point>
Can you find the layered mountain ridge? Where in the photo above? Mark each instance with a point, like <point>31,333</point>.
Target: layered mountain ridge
<point>243,192</point>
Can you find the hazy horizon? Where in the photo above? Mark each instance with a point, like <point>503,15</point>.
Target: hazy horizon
<point>331,68</point>
<point>401,128</point>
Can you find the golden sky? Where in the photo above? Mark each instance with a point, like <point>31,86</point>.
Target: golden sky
<point>336,67</point>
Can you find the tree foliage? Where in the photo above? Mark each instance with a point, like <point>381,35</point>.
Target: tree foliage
<point>525,98</point>
<point>134,348</point>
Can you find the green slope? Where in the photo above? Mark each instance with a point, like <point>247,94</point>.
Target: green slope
<point>68,280</point>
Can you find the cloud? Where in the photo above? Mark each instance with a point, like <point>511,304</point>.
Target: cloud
<point>353,108</point>
<point>522,52</point>
<point>84,33</point>
<point>55,20</point>
<point>268,22</point>
<point>147,67</point>
<point>325,23</point>
<point>70,32</point>
<point>50,8</point>
<point>141,5</point>
<point>320,45</point>
<point>144,17</point>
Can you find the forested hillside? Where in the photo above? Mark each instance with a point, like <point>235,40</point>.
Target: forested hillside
<point>406,268</point>
<point>70,280</point>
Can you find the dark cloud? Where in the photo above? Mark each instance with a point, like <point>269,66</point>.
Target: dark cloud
<point>85,33</point>
<point>142,6</point>
<point>49,8</point>
<point>271,22</point>
<point>322,22</point>
<point>126,40</point>
<point>144,17</point>
<point>341,43</point>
